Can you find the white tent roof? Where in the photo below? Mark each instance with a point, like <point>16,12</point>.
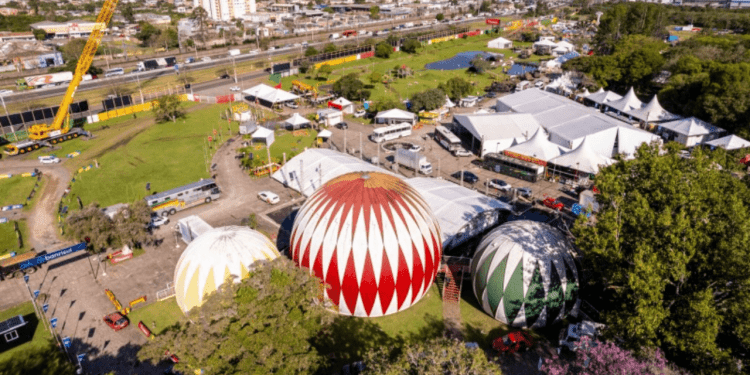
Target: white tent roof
<point>730,142</point>
<point>493,126</point>
<point>652,111</point>
<point>499,40</point>
<point>325,133</point>
<point>585,93</point>
<point>545,42</point>
<point>602,96</point>
<point>691,126</point>
<point>626,103</point>
<point>262,132</point>
<point>296,120</point>
<point>269,94</point>
<point>342,102</point>
<point>454,206</point>
<point>396,113</point>
<point>566,44</point>
<point>539,147</point>
<point>448,102</point>
<point>318,166</point>
<point>583,159</point>
<point>630,138</point>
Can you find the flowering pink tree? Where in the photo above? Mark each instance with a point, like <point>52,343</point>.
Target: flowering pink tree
<point>594,357</point>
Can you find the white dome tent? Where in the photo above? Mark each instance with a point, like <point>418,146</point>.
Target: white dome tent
<point>221,254</point>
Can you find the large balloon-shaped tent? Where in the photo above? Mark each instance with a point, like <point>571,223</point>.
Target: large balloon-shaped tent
<point>524,274</point>
<point>372,239</point>
<point>220,254</point>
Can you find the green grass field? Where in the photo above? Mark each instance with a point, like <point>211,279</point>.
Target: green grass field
<point>422,79</point>
<point>167,155</point>
<point>164,313</point>
<point>41,335</point>
<point>16,189</point>
<point>8,239</point>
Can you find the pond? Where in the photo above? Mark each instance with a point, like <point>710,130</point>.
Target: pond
<point>460,61</point>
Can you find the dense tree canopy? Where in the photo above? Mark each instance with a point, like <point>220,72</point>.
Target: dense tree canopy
<point>668,258</point>
<point>383,50</point>
<point>263,325</point>
<point>168,108</point>
<point>456,88</point>
<point>38,360</point>
<point>606,358</point>
<point>437,356</point>
<point>427,100</point>
<point>350,87</point>
<point>411,45</point>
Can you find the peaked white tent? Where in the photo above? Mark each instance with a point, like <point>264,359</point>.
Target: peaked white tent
<point>500,43</point>
<point>566,45</point>
<point>538,147</point>
<point>496,132</point>
<point>602,97</point>
<point>652,112</point>
<point>690,131</point>
<point>626,103</point>
<point>448,102</point>
<point>730,142</point>
<point>343,104</point>
<point>582,159</point>
<point>297,121</point>
<point>268,95</point>
<point>264,135</point>
<point>395,116</point>
<point>630,138</point>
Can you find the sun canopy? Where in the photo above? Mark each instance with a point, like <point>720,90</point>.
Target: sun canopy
<point>269,94</point>
<point>325,133</point>
<point>297,120</point>
<point>395,113</point>
<point>583,159</point>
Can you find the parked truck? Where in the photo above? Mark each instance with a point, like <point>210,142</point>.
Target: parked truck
<point>333,36</point>
<point>234,52</point>
<point>191,227</point>
<point>45,80</point>
<point>162,62</point>
<point>413,160</point>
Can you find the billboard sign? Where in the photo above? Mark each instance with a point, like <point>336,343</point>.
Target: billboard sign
<point>33,262</point>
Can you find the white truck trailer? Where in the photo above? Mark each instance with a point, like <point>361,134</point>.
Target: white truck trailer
<point>413,160</point>
<point>191,227</point>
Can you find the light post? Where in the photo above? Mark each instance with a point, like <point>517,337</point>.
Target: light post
<point>235,70</point>
<point>138,79</point>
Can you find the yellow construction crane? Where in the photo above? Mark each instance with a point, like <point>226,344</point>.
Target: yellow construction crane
<point>60,130</point>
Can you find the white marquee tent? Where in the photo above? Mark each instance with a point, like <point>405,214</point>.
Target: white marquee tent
<point>539,147</point>
<point>500,43</point>
<point>652,112</point>
<point>583,159</point>
<point>730,142</point>
<point>627,103</point>
<point>264,135</point>
<point>496,132</point>
<point>297,121</point>
<point>268,95</point>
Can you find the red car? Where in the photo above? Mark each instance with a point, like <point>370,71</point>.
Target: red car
<point>513,342</point>
<point>553,204</point>
<point>116,321</point>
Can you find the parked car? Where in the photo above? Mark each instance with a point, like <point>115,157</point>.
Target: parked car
<point>342,125</point>
<point>570,338</point>
<point>524,192</point>
<point>292,105</point>
<point>205,59</point>
<point>269,197</point>
<point>224,76</point>
<point>235,88</point>
<point>49,159</point>
<point>116,321</point>
<point>360,113</point>
<point>498,184</point>
<point>491,94</point>
<point>157,221</point>
<point>462,152</point>
<point>513,342</point>
<point>553,204</point>
<point>468,177</point>
<point>415,148</point>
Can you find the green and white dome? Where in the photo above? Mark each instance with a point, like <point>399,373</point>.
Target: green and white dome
<point>220,254</point>
<point>524,274</point>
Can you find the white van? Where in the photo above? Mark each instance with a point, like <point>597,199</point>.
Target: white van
<point>114,72</point>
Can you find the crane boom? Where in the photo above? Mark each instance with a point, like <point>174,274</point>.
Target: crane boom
<point>39,132</point>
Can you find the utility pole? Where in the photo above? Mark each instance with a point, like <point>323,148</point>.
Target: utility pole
<point>345,141</point>
<point>235,70</point>
<point>361,157</point>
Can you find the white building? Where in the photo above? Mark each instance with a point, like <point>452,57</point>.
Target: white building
<point>689,131</point>
<point>495,132</point>
<point>395,116</point>
<point>225,10</point>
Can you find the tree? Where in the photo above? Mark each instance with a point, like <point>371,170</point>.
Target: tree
<point>351,88</point>
<point>375,12</point>
<point>131,223</point>
<point>90,222</point>
<point>375,77</point>
<point>383,50</point>
<point>411,45</point>
<point>328,10</point>
<point>479,64</point>
<point>440,17</point>
<point>485,7</point>
<point>330,47</point>
<point>262,325</point>
<point>147,33</point>
<point>436,356</point>
<point>388,103</point>
<point>325,70</point>
<point>427,100</point>
<point>200,16</point>
<point>40,34</point>
<point>604,358</point>
<point>668,258</point>
<point>311,51</point>
<point>456,88</point>
<point>127,12</point>
<point>168,108</point>
<point>305,66</point>
<point>46,359</point>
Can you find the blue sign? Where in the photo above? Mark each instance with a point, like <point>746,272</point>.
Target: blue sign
<point>45,307</point>
<point>53,322</point>
<point>366,105</point>
<point>81,358</point>
<point>36,293</point>
<point>26,278</point>
<point>176,67</point>
<point>66,342</point>
<point>47,257</point>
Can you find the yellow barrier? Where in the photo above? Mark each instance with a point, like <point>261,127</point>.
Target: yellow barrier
<point>27,174</point>
<point>337,61</point>
<point>443,39</point>
<point>114,300</point>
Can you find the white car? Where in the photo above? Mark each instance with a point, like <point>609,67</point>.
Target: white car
<point>235,88</point>
<point>461,152</point>
<point>206,59</point>
<point>415,148</point>
<point>269,197</point>
<point>5,92</point>
<point>254,52</point>
<point>292,105</point>
<point>360,113</point>
<point>499,184</point>
<point>157,221</point>
<point>49,159</point>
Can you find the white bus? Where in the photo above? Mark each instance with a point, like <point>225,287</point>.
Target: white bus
<point>390,132</point>
<point>114,72</point>
<point>447,139</point>
<point>178,199</point>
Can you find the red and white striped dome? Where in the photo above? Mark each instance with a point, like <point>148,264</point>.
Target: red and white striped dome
<point>373,239</point>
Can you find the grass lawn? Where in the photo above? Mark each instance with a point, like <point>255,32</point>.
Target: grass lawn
<point>289,142</point>
<point>167,155</point>
<point>164,313</point>
<point>8,239</point>
<point>16,189</point>
<point>423,319</point>
<point>422,79</point>
<point>683,35</point>
<point>41,335</point>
